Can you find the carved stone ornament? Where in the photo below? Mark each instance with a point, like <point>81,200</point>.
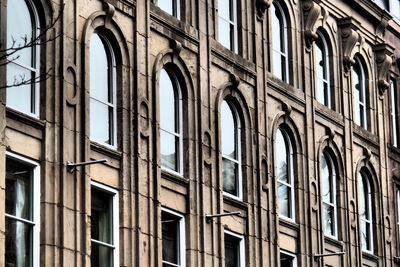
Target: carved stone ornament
<point>383,56</point>
<point>234,79</point>
<point>350,38</point>
<point>176,46</point>
<point>261,6</point>
<point>110,11</point>
<point>311,11</point>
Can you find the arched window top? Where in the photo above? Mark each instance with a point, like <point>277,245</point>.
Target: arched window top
<point>170,121</point>
<point>280,58</point>
<point>231,150</point>
<point>102,91</point>
<point>22,29</point>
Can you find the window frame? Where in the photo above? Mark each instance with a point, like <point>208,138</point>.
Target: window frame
<point>242,251</point>
<point>398,213</point>
<point>394,126</point>
<point>35,204</point>
<point>290,169</point>
<point>176,6</point>
<point>35,70</point>
<point>362,176</point>
<point>333,191</point>
<point>182,237</point>
<point>293,256</point>
<point>178,120</point>
<point>232,23</point>
<point>285,75</point>
<point>327,96</point>
<point>113,193</point>
<point>363,91</point>
<point>238,145</point>
<point>112,86</point>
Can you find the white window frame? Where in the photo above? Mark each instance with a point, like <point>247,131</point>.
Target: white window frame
<point>35,222</point>
<point>109,51</point>
<point>333,192</point>
<point>234,24</point>
<point>284,38</point>
<point>237,161</point>
<point>294,262</point>
<point>290,173</point>
<point>394,112</point>
<point>115,219</point>
<point>363,91</point>
<point>177,90</point>
<point>35,53</point>
<point>182,238</point>
<point>369,207</point>
<point>327,101</point>
<point>242,252</point>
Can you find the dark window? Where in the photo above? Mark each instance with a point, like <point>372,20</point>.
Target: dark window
<point>288,260</point>
<point>173,248</point>
<point>234,250</point>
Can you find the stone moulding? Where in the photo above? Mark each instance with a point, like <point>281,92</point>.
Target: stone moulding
<point>350,37</point>
<point>261,6</point>
<point>311,12</point>
<point>383,57</point>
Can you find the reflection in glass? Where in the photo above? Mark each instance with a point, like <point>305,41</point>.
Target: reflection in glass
<point>328,178</point>
<point>169,148</point>
<point>170,239</point>
<point>229,172</point>
<point>365,211</point>
<point>232,251</point>
<point>359,95</point>
<point>279,45</point>
<point>18,243</point>
<point>322,72</point>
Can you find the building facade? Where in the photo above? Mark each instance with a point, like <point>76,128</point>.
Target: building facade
<point>200,133</point>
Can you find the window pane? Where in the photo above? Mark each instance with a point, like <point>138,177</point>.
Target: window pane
<point>357,95</point>
<point>286,260</point>
<point>101,256</point>
<point>166,5</point>
<point>230,174</point>
<point>170,238</point>
<point>328,217</point>
<point>100,123</point>
<point>18,190</point>
<point>224,9</point>
<point>20,97</point>
<point>281,158</point>
<point>168,104</point>
<point>228,131</point>
<point>326,180</point>
<point>225,33</point>
<point>19,31</point>
<point>284,200</point>
<point>169,150</point>
<point>232,251</point>
<point>18,243</point>
<point>277,29</point>
<point>99,70</point>
<point>101,218</point>
<point>395,8</point>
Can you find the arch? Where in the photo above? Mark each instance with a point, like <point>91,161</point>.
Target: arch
<point>327,144</point>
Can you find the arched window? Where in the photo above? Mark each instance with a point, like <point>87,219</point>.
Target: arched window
<point>322,84</point>
<point>280,59</point>
<point>103,85</point>
<point>366,212</point>
<point>231,150</point>
<point>328,179</point>
<point>360,94</point>
<point>23,68</point>
<point>170,121</point>
<point>284,168</point>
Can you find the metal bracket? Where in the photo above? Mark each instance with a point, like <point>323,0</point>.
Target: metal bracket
<point>71,167</point>
<point>210,216</point>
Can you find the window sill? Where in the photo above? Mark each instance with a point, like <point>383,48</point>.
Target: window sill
<point>333,241</point>
<point>234,202</point>
<point>289,223</point>
<point>368,255</point>
<point>174,177</point>
<point>105,150</point>
<point>365,134</point>
<point>25,118</point>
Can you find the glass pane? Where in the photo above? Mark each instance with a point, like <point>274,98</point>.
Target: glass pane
<point>170,238</point>
<point>99,70</point>
<point>20,31</point>
<point>395,8</point>
<point>232,251</point>
<point>168,104</point>
<point>364,235</point>
<point>281,158</point>
<point>169,150</point>
<point>228,131</point>
<point>357,96</point>
<point>328,218</point>
<point>284,200</point>
<point>286,260</point>
<point>326,180</point>
<point>18,190</point>
<point>277,28</point>
<point>101,256</point>
<point>230,176</point>
<point>224,9</point>
<point>225,33</point>
<point>20,97</point>
<point>166,5</point>
<point>278,64</point>
<point>101,218</point>
<point>100,123</point>
<point>18,243</point>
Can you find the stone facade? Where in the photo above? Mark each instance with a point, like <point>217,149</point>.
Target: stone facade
<point>145,39</point>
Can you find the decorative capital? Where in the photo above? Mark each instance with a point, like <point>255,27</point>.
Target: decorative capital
<point>311,12</point>
<point>176,46</point>
<point>110,12</point>
<point>286,108</point>
<point>350,38</point>
<point>234,79</point>
<point>383,56</point>
<point>261,6</point>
